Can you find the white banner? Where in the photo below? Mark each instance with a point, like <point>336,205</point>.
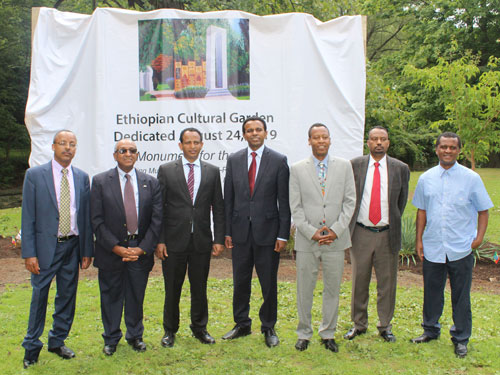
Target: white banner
<point>120,74</point>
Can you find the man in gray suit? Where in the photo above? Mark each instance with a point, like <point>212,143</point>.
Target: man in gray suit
<point>322,201</point>
<point>381,191</point>
<point>257,226</point>
<point>56,237</point>
<point>126,217</point>
<point>191,191</point>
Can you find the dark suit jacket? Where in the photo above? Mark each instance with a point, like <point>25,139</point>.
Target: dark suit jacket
<point>267,209</point>
<point>40,214</point>
<point>398,177</point>
<point>109,222</point>
<point>180,216</point>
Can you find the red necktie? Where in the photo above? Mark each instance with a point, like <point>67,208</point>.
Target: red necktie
<point>375,213</point>
<point>191,180</point>
<point>130,209</point>
<point>251,172</point>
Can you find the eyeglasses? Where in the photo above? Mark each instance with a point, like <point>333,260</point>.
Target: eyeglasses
<point>122,151</point>
<point>64,144</point>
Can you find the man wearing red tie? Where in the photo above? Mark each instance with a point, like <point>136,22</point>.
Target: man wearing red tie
<point>381,192</point>
<point>257,226</point>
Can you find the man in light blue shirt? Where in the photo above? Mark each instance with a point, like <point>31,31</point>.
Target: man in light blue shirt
<point>452,218</point>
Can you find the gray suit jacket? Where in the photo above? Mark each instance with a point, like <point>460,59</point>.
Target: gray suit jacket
<point>309,206</point>
<point>40,214</point>
<point>179,213</point>
<point>398,177</point>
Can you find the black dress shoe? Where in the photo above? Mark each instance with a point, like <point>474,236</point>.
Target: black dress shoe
<point>460,349</point>
<point>109,350</point>
<point>422,338</point>
<point>237,331</point>
<point>271,338</point>
<point>353,332</point>
<point>168,340</point>
<point>137,344</point>
<point>301,344</point>
<point>330,344</point>
<point>29,362</point>
<point>204,337</point>
<point>388,336</point>
<point>63,352</point>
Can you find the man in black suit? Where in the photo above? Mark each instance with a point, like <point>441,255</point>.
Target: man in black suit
<point>257,226</point>
<point>57,236</point>
<point>382,192</point>
<point>191,189</point>
<point>126,218</point>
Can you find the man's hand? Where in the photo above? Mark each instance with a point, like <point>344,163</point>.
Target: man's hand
<point>126,254</point>
<point>324,239</point>
<point>419,248</point>
<point>228,242</point>
<point>279,246</point>
<point>217,249</point>
<point>476,243</point>
<point>86,262</point>
<point>31,265</point>
<point>161,251</point>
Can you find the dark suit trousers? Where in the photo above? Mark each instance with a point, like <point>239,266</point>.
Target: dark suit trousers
<point>266,261</point>
<point>372,250</point>
<point>460,274</point>
<point>65,269</point>
<point>126,286</point>
<point>174,269</point>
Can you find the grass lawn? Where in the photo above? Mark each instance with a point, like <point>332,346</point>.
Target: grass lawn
<point>367,354</point>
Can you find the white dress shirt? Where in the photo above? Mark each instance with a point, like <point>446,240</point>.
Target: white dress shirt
<point>197,174</point>
<point>364,208</point>
<point>57,177</point>
<point>133,180</point>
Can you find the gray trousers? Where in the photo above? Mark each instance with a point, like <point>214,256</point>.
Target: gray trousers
<point>307,274</point>
<point>371,250</point>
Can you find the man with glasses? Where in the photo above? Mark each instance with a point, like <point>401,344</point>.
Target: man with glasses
<point>126,218</point>
<point>56,237</point>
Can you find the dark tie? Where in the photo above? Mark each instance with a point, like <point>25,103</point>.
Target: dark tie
<point>64,205</point>
<point>375,213</point>
<point>191,181</point>
<point>251,172</point>
<point>129,203</point>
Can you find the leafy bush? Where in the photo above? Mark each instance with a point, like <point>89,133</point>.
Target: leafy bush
<point>408,239</point>
<point>240,90</point>
<point>191,92</point>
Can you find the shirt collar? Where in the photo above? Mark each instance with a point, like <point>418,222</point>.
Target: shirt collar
<point>122,174</point>
<point>324,161</point>
<point>259,151</point>
<point>185,161</point>
<point>382,162</point>
<point>449,170</point>
<point>58,167</point>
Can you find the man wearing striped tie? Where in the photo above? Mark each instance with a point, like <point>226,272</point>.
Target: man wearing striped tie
<point>191,191</point>
<point>56,237</point>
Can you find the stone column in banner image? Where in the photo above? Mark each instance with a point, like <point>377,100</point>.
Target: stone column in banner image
<point>146,79</point>
<point>217,62</point>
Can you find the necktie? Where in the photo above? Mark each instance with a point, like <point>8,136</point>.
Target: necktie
<point>322,177</point>
<point>64,205</point>
<point>375,213</point>
<point>191,181</point>
<point>129,203</point>
<point>251,172</point>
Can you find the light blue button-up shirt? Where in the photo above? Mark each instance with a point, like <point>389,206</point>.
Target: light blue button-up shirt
<point>451,198</point>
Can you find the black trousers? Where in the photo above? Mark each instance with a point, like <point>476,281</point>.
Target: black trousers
<point>121,288</point>
<point>266,261</point>
<point>64,268</point>
<point>460,274</point>
<point>174,267</point>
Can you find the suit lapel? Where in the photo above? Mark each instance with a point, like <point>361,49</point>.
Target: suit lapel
<point>243,171</point>
<point>313,175</point>
<point>264,163</point>
<point>114,184</point>
<point>203,178</point>
<point>49,180</point>
<point>77,183</point>
<point>362,176</point>
<point>181,179</point>
<point>329,172</point>
<point>141,184</point>
<point>390,178</point>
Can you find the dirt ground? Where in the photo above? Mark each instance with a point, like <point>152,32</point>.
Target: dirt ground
<point>486,274</point>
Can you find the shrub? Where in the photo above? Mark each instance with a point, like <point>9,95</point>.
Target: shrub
<point>191,92</point>
<point>408,239</point>
<point>240,90</point>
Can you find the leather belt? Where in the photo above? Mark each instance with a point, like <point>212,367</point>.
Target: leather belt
<point>374,229</point>
<point>65,238</point>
